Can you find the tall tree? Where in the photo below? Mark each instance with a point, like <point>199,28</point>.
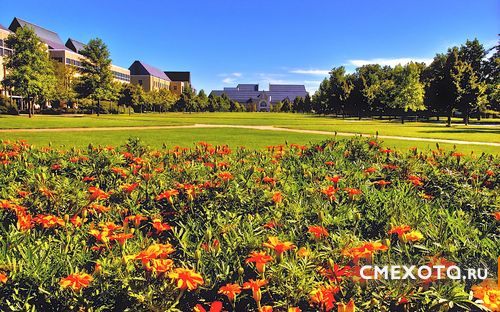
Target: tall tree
<point>202,100</point>
<point>29,70</point>
<point>491,75</point>
<point>470,91</point>
<point>408,90</point>
<point>340,88</point>
<point>436,92</point>
<point>64,82</point>
<point>473,52</point>
<point>96,79</point>
<point>132,95</point>
<point>321,97</point>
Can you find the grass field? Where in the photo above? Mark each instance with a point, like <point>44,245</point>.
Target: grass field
<point>236,137</point>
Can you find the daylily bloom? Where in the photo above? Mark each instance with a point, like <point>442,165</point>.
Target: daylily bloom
<point>255,286</point>
<point>168,195</point>
<point>330,192</point>
<point>129,188</point>
<point>412,236</point>
<point>48,221</point>
<point>349,307</point>
<point>278,246</point>
<point>136,219</point>
<point>186,278</point>
<point>399,230</point>
<point>277,198</point>
<point>231,291</point>
<point>324,297</point>
<point>76,281</point>
<point>318,231</point>
<point>160,227</point>
<point>260,259</point>
<point>121,238</point>
<point>96,193</point>
<point>225,176</point>
<point>216,306</point>
<point>3,278</point>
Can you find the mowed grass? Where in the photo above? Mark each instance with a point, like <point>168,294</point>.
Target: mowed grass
<point>253,139</point>
<point>237,137</point>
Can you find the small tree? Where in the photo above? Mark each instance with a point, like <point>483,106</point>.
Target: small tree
<point>470,90</point>
<point>29,71</point>
<point>64,82</point>
<point>96,80</point>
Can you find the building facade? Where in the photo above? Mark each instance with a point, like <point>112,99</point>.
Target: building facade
<point>67,54</point>
<point>148,77</point>
<point>179,81</point>
<point>4,51</point>
<point>260,100</point>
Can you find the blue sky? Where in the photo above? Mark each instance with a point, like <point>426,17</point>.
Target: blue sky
<point>225,42</point>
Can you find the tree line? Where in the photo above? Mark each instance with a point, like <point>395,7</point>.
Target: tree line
<point>463,79</point>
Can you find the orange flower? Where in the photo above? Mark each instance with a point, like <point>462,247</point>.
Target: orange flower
<point>330,192</point>
<point>416,181</point>
<point>365,251</point>
<point>324,297</point>
<point>48,221</point>
<point>277,198</point>
<point>279,247</point>
<point>399,230</point>
<point>497,215</point>
<point>24,221</point>
<point>137,219</point>
<point>156,251</point>
<point>129,188</point>
<point>260,259</point>
<point>335,179</point>
<point>269,180</point>
<point>76,281</point>
<point>457,154</point>
<point>303,252</point>
<point>100,236</point>
<point>160,266</point>
<point>412,236</point>
<point>318,231</point>
<point>352,192</point>
<point>225,176</point>
<point>186,278</point>
<point>3,278</point>
<point>121,238</point>
<point>96,193</point>
<point>96,208</point>
<point>294,309</point>
<point>255,286</point>
<point>76,220</point>
<point>349,307</point>
<point>160,227</point>
<point>266,309</point>
<point>168,195</point>
<point>370,170</point>
<point>230,290</point>
<point>489,293</point>
<point>216,306</point>
<point>382,183</point>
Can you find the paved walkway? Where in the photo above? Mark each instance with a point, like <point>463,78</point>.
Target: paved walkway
<point>263,128</point>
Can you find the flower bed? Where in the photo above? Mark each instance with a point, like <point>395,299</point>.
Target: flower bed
<point>210,228</point>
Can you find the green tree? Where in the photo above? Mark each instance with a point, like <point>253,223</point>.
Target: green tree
<point>202,100</point>
<point>29,70</point>
<point>491,76</point>
<point>473,52</point>
<point>132,95</point>
<point>299,104</point>
<point>470,91</point>
<point>408,89</point>
<point>64,89</point>
<point>96,79</point>
<point>340,88</point>
<point>307,103</point>
<point>320,99</point>
<point>287,105</point>
<point>436,92</point>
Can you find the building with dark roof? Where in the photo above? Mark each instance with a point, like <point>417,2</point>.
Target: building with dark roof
<point>252,97</point>
<point>179,81</point>
<point>69,53</point>
<point>148,77</point>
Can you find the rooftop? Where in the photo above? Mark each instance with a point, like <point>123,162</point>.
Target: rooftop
<point>141,68</point>
<point>179,75</point>
<point>47,36</point>
<point>75,45</point>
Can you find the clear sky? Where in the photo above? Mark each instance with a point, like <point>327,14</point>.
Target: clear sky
<point>225,42</point>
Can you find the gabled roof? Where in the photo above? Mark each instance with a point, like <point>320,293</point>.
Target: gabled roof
<point>140,68</point>
<point>179,76</point>
<point>3,28</point>
<point>47,36</point>
<point>74,45</point>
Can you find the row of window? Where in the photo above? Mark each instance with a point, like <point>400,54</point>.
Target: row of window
<point>73,62</point>
<point>121,76</point>
<point>160,85</point>
<point>5,52</point>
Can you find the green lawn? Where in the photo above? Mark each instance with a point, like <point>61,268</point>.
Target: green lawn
<point>236,137</point>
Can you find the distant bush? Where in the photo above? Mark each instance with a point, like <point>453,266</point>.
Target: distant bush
<point>7,107</point>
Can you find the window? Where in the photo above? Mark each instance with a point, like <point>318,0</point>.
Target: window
<point>139,82</point>
<point>1,42</point>
<point>68,61</point>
